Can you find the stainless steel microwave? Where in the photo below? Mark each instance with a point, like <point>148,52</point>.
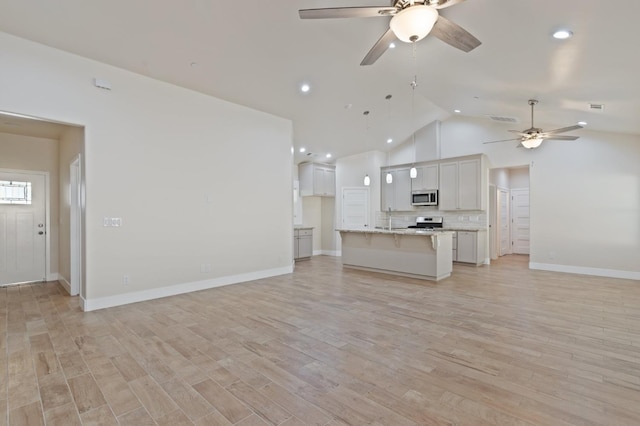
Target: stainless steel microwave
<point>424,198</point>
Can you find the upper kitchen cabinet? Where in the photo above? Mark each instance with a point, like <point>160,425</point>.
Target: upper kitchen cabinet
<point>427,178</point>
<point>463,184</point>
<point>317,180</point>
<point>395,196</point>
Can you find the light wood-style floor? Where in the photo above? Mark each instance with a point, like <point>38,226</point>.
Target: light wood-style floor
<point>497,345</point>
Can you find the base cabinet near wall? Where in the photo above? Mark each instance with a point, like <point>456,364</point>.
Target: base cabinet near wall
<point>317,180</point>
<point>470,247</point>
<point>302,243</point>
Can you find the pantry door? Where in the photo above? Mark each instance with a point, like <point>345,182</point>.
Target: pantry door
<point>22,227</point>
<point>355,208</point>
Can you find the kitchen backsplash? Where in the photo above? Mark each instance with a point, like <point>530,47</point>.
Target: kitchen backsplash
<point>458,220</point>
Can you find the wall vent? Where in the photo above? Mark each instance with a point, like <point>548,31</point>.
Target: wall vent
<point>597,107</point>
<point>503,119</point>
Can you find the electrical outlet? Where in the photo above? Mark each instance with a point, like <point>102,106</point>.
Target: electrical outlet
<point>106,221</point>
<point>116,221</point>
<point>205,268</point>
<point>125,280</point>
<point>552,255</point>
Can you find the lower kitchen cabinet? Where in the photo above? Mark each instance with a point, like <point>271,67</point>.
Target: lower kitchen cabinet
<point>470,247</point>
<point>302,243</point>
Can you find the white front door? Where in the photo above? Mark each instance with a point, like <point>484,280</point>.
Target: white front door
<point>22,227</point>
<point>520,221</point>
<point>355,208</point>
<point>503,222</point>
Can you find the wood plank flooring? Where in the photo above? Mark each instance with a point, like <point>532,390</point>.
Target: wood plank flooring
<point>494,345</point>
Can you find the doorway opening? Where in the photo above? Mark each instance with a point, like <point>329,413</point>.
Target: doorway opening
<point>509,211</point>
<point>52,150</point>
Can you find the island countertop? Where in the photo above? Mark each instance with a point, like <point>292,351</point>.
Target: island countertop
<point>398,231</point>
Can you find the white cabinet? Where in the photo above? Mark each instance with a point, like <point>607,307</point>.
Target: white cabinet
<point>317,180</point>
<point>395,196</point>
<point>302,243</point>
<point>426,179</point>
<point>461,185</point>
<point>471,247</point>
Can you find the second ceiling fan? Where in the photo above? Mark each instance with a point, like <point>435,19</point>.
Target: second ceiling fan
<point>533,136</point>
<point>411,21</point>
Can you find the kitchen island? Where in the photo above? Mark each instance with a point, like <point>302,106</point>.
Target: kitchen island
<point>407,252</point>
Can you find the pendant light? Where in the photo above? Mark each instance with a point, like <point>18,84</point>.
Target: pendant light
<point>413,173</point>
<point>389,177</point>
<point>367,179</point>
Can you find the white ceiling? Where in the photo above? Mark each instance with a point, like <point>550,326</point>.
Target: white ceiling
<point>257,53</point>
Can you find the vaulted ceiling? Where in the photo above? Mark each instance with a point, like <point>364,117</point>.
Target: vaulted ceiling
<point>258,53</point>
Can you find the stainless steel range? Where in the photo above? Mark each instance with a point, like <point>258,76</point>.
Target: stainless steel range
<point>432,222</point>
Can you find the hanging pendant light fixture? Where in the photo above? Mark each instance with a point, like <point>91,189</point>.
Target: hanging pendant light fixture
<point>389,177</point>
<point>413,173</point>
<point>367,179</point>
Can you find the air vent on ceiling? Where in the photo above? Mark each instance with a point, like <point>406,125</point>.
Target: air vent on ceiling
<point>597,107</point>
<point>503,119</point>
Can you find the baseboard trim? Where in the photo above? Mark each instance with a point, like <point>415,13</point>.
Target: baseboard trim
<point>65,284</point>
<point>173,290</point>
<point>329,253</point>
<point>600,272</point>
<point>53,276</point>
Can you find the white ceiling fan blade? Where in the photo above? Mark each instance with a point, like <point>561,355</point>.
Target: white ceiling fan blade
<point>454,35</point>
<point>448,4</point>
<point>561,138</point>
<point>519,132</point>
<point>503,140</point>
<point>564,129</point>
<point>379,48</point>
<point>346,12</point>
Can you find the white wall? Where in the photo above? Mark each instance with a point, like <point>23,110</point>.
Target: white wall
<point>36,154</point>
<point>185,172</point>
<point>519,177</point>
<point>312,217</point>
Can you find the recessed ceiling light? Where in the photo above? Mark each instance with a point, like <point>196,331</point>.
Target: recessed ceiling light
<point>303,149</point>
<point>392,45</point>
<point>582,123</point>
<point>305,88</point>
<point>562,34</point>
<point>389,140</point>
<point>328,155</point>
<point>457,111</point>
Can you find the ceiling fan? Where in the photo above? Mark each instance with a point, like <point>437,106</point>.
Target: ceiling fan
<point>533,136</point>
<point>411,21</point>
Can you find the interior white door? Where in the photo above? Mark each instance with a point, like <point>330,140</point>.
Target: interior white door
<point>355,208</point>
<point>22,227</point>
<point>504,239</point>
<point>520,221</point>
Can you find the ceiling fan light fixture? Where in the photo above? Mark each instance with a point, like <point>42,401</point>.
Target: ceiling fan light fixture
<point>532,143</point>
<point>413,23</point>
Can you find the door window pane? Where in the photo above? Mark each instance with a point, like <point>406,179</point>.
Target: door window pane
<point>12,192</point>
